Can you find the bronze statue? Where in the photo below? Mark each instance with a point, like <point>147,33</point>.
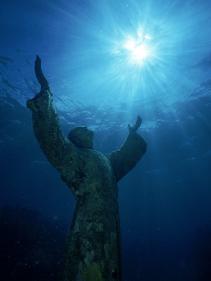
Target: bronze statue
<point>93,246</point>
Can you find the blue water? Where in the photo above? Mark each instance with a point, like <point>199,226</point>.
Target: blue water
<point>165,201</point>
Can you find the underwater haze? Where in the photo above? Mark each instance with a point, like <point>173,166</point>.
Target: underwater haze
<point>106,63</point>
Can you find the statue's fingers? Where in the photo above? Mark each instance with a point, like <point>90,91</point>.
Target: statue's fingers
<point>139,118</point>
<point>138,121</point>
<point>39,74</point>
<point>38,57</point>
<point>37,64</point>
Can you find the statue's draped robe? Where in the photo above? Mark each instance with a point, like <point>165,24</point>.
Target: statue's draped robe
<point>93,246</point>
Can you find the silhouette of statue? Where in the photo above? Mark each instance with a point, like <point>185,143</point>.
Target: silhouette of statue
<point>93,245</point>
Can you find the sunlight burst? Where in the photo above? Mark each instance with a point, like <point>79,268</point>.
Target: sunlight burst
<point>138,50</point>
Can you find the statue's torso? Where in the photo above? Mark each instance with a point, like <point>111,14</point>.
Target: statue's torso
<point>95,226</point>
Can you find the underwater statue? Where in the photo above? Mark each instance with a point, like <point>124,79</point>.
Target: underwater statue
<point>93,245</point>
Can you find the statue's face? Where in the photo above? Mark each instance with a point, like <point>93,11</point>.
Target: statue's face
<point>82,137</point>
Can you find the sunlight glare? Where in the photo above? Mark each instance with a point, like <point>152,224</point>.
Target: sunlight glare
<point>138,50</point>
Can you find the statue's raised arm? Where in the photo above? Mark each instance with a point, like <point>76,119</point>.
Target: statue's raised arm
<point>134,147</point>
<point>45,122</point>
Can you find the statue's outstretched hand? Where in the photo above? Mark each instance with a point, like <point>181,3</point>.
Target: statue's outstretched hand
<point>137,125</point>
<point>44,91</point>
<point>39,74</point>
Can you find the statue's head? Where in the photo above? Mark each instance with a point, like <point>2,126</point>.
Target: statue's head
<point>81,137</point>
